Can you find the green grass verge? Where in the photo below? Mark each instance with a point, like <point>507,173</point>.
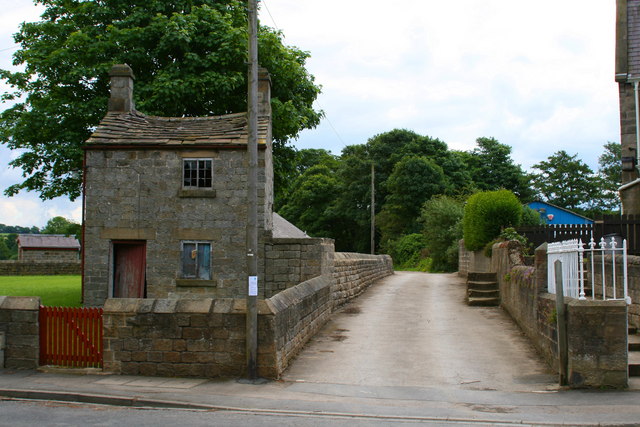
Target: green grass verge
<point>63,291</point>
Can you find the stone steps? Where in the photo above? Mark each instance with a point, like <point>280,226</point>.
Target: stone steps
<point>634,355</point>
<point>482,289</point>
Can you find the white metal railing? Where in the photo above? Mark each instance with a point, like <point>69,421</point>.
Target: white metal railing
<point>576,259</point>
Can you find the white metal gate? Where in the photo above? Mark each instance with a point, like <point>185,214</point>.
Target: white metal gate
<point>577,261</point>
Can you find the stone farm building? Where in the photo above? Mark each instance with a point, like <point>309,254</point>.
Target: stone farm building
<point>48,248</point>
<point>165,206</point>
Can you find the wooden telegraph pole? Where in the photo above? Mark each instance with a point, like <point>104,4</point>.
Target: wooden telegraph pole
<point>252,195</point>
<point>373,209</point>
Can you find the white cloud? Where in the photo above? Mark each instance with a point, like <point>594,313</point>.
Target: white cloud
<point>535,75</point>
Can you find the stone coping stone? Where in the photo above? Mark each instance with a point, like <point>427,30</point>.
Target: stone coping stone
<point>299,293</point>
<point>300,240</point>
<point>595,305</point>
<point>186,305</point>
<point>19,303</point>
<point>357,256</point>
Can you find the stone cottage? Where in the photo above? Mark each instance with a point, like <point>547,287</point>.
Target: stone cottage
<point>164,201</point>
<point>48,248</point>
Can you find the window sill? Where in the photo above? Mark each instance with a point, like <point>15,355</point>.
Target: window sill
<point>197,193</point>
<point>195,283</point>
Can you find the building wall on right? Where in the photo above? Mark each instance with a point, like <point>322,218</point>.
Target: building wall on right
<point>627,74</point>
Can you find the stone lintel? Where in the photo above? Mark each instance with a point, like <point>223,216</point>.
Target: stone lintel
<point>128,234</point>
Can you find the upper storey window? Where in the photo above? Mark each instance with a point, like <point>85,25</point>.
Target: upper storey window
<point>197,173</point>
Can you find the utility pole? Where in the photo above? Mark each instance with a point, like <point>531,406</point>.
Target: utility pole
<point>373,209</point>
<point>252,195</point>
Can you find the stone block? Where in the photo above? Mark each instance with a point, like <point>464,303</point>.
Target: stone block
<point>21,303</point>
<point>194,306</point>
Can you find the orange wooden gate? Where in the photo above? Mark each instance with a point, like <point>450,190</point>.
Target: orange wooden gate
<point>71,337</point>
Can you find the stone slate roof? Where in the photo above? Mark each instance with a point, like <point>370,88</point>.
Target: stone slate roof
<point>283,229</point>
<point>135,128</point>
<point>51,241</point>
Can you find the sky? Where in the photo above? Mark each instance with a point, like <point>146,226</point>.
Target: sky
<point>538,76</point>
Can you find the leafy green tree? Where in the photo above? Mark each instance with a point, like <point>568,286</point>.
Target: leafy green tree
<point>352,209</point>
<point>300,161</point>
<point>610,174</point>
<point>189,60</point>
<point>441,219</point>
<point>309,204</point>
<point>414,180</point>
<point>531,216</point>
<point>61,225</point>
<point>5,252</point>
<point>492,168</point>
<point>566,181</point>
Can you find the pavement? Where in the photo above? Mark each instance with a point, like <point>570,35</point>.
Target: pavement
<point>408,349</point>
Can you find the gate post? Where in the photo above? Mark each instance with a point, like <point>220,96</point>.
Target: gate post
<point>563,352</point>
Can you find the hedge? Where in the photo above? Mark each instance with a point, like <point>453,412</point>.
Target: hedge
<point>486,214</point>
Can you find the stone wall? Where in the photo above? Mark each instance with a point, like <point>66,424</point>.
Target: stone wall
<point>206,337</point>
<point>597,348</point>
<point>50,255</point>
<point>296,314</point>
<point>633,285</point>
<point>20,326</point>
<point>355,272</point>
<point>292,261</point>
<point>137,195</point>
<point>475,261</point>
<point>597,333</point>
<point>162,337</point>
<point>20,268</point>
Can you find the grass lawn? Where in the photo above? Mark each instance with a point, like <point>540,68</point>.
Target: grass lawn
<point>62,291</point>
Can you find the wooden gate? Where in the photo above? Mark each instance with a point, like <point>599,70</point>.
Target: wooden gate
<point>71,337</point>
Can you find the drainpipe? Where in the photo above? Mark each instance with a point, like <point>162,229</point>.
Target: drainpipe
<point>635,90</point>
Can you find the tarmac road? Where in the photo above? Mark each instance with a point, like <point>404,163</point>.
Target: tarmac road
<point>415,329</point>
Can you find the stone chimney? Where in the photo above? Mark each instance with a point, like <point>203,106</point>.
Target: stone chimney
<point>121,100</point>
<point>264,92</point>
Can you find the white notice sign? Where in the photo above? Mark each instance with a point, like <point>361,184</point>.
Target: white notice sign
<point>253,286</point>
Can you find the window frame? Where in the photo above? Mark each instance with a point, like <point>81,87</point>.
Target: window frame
<point>197,177</point>
<point>197,274</point>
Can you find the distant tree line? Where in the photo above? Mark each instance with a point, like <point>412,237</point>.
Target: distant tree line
<point>420,190</point>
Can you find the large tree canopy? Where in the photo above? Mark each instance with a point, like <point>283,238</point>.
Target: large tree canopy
<point>492,168</point>
<point>189,59</point>
<point>566,181</point>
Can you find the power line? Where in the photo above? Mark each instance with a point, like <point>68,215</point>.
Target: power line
<point>326,117</point>
<point>270,15</point>
<point>10,48</point>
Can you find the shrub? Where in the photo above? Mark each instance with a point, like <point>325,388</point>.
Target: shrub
<point>486,214</point>
<point>441,218</point>
<point>506,235</point>
<point>406,251</point>
<point>530,216</point>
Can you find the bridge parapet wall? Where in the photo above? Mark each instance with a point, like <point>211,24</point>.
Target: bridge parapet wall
<point>353,273</point>
<point>206,337</point>
<point>596,330</point>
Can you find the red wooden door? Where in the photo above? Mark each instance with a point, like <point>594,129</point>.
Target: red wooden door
<point>129,264</point>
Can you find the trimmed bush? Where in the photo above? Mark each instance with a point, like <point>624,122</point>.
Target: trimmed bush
<point>486,214</point>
